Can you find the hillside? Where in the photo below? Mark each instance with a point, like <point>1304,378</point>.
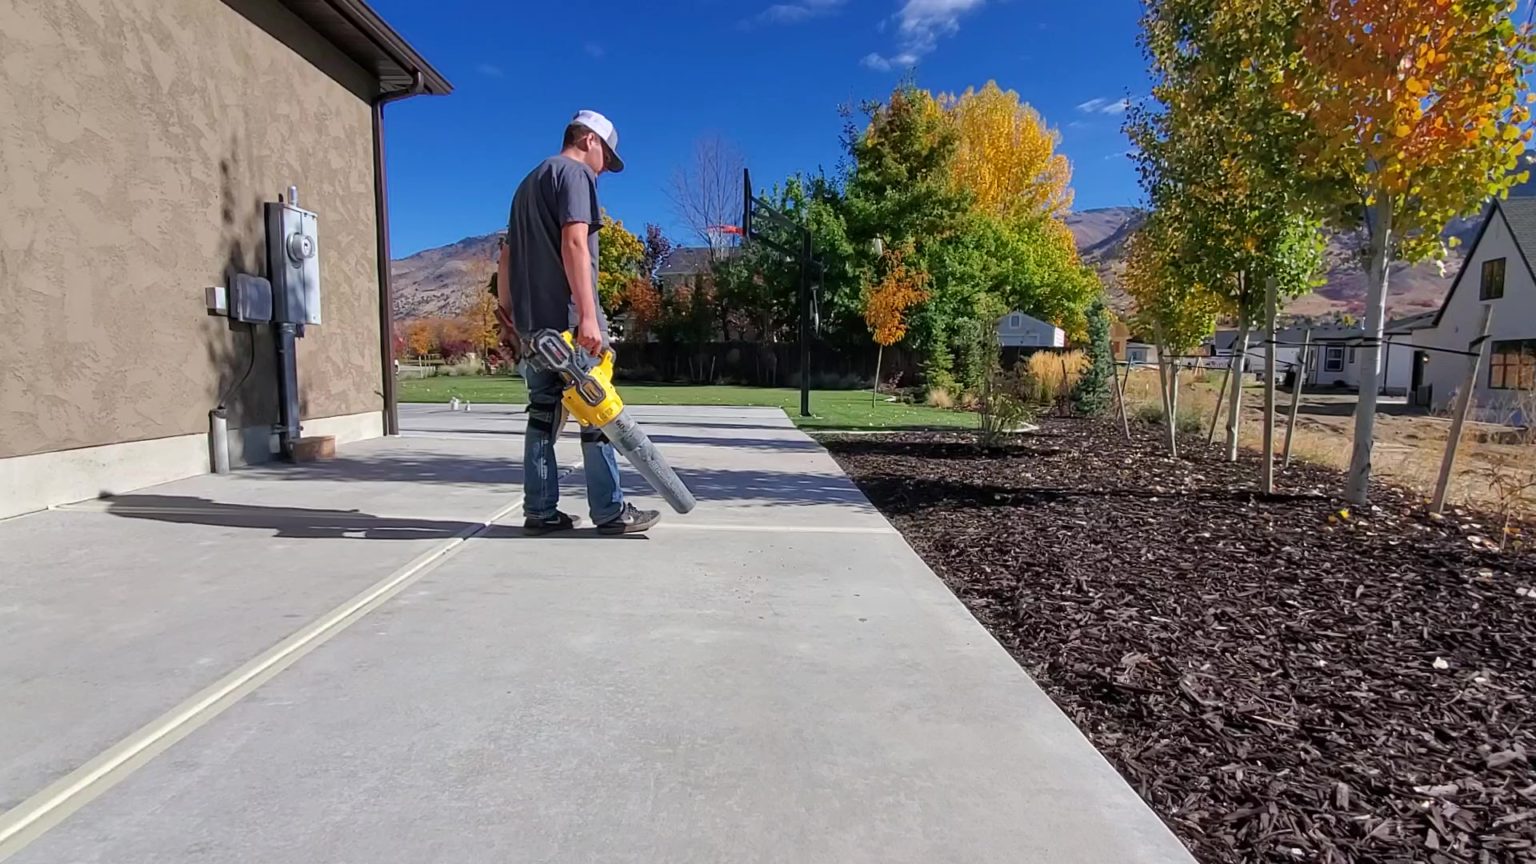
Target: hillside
<point>1101,236</point>
<point>440,282</point>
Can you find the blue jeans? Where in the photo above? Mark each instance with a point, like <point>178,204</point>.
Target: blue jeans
<point>541,475</point>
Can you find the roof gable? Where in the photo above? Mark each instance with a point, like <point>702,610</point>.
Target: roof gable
<point>1519,217</point>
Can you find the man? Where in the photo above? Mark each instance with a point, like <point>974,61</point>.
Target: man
<point>547,280</point>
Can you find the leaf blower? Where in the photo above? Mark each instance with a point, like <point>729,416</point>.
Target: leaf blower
<point>591,398</point>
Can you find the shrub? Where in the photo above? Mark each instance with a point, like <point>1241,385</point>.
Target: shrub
<point>1004,404</point>
<point>1091,395</point>
<point>1053,375</point>
<point>970,344</point>
<point>939,397</point>
<point>461,369</point>
<point>454,349</point>
<point>1190,422</point>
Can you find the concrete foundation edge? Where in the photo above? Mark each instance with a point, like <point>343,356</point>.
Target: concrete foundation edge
<point>43,480</point>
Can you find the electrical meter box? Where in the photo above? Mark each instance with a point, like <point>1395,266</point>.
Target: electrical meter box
<point>293,264</point>
<point>250,299</point>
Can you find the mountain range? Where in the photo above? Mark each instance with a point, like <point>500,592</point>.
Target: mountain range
<point>442,281</point>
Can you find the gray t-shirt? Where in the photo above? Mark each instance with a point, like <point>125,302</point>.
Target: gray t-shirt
<point>556,193</point>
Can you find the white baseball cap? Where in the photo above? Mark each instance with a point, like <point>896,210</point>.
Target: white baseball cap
<point>604,130</point>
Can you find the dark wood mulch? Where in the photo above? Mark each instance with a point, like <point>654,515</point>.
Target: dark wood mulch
<point>1280,680</point>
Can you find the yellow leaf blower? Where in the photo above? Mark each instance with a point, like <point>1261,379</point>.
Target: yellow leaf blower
<point>591,398</point>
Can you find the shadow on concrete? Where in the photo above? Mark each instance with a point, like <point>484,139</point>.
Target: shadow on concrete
<point>320,524</point>
<point>409,468</point>
<point>777,445</point>
<point>288,522</point>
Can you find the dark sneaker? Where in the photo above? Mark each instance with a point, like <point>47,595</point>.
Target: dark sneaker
<point>630,521</point>
<point>557,522</point>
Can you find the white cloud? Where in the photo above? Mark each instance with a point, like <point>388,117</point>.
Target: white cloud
<point>923,22</point>
<point>794,13</point>
<point>920,24</point>
<point>1105,106</point>
<point>904,60</point>
<point>593,49</point>
<point>490,71</point>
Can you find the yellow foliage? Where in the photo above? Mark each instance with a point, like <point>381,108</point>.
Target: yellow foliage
<point>1006,156</point>
<point>484,332</point>
<point>419,338</point>
<point>1427,91</point>
<point>886,304</point>
<point>619,256</point>
<point>1053,374</point>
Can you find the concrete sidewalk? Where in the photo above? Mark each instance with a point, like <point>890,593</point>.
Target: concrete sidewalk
<point>775,677</point>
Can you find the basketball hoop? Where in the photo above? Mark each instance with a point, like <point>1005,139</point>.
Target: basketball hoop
<point>727,229</point>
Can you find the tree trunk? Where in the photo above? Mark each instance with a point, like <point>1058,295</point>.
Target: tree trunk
<point>875,397</point>
<point>1270,301</point>
<point>1357,489</point>
<point>1235,400</point>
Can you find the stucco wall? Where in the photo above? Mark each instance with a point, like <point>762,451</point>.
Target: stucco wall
<point>138,141</point>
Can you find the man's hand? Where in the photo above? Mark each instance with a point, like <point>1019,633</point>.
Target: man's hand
<point>589,336</point>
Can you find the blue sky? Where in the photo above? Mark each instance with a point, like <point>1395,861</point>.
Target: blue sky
<point>767,76</point>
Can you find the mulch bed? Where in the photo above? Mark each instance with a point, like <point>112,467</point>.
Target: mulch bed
<point>1281,679</point>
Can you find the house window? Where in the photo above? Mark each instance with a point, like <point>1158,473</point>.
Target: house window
<point>1512,365</point>
<point>1333,358</point>
<point>1351,355</point>
<point>1015,322</point>
<point>1493,279</point>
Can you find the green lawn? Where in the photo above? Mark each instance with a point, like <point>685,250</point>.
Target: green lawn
<point>833,409</point>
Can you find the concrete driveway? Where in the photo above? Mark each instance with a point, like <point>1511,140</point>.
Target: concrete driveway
<point>363,661</point>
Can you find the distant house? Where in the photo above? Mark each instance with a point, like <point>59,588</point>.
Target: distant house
<point>1336,356</point>
<point>1497,274</point>
<point>1017,330</point>
<point>1140,353</point>
<point>684,263</point>
<point>1119,339</point>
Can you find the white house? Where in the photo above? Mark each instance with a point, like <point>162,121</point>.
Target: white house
<point>1016,330</point>
<point>1337,356</point>
<point>1496,274</point>
<point>1140,354</point>
<point>1336,353</point>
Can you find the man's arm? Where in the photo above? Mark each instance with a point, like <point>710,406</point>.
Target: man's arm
<point>504,277</point>
<point>504,321</point>
<point>576,255</point>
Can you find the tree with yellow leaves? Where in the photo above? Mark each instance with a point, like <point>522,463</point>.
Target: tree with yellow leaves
<point>420,338</point>
<point>619,257</point>
<point>483,329</point>
<point>1169,303</point>
<point>1006,156</point>
<point>886,303</point>
<point>1416,112</point>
